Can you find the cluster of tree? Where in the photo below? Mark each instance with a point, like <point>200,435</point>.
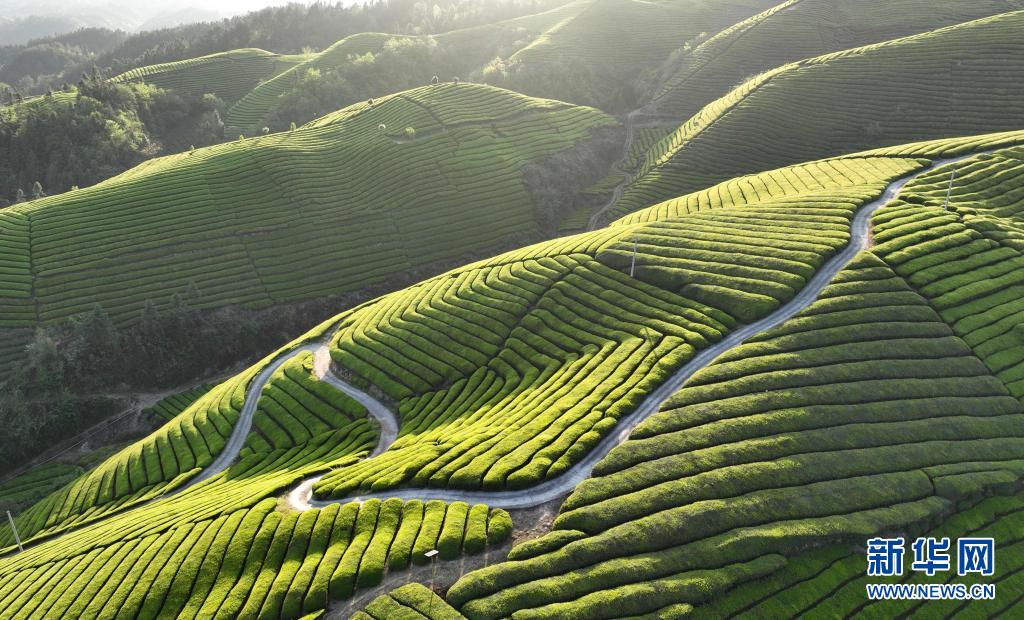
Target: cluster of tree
<point>284,29</point>
<point>172,343</point>
<point>73,372</point>
<point>403,62</point>
<point>575,80</point>
<point>54,143</point>
<point>45,63</point>
<point>38,410</point>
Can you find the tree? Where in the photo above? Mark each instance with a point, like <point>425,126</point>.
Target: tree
<point>37,190</point>
<point>92,347</point>
<point>46,362</point>
<point>410,133</point>
<point>19,196</point>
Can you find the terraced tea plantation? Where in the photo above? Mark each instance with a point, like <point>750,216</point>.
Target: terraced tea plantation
<point>793,30</point>
<point>456,53</point>
<point>511,372</point>
<point>833,578</point>
<point>221,548</point>
<point>883,422</point>
<point>966,260</point>
<point>326,209</point>
<point>250,562</point>
<point>794,322</point>
<point>533,54</point>
<point>229,75</point>
<point>807,110</point>
<point>584,57</point>
<point>168,408</point>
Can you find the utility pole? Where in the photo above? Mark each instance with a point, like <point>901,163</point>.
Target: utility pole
<point>14,529</point>
<point>432,556</point>
<point>949,190</point>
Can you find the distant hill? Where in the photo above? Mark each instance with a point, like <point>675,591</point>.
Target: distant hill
<point>229,75</point>
<point>796,29</point>
<point>954,81</point>
<point>603,51</point>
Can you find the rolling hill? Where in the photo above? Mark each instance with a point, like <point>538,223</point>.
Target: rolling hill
<point>795,30</point>
<point>603,53</point>
<point>229,75</point>
<point>416,178</point>
<point>563,53</point>
<point>801,327</point>
<point>883,406</point>
<point>959,80</point>
<point>513,378</point>
<point>376,63</point>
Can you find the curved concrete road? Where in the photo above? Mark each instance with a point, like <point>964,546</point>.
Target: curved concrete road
<point>300,498</point>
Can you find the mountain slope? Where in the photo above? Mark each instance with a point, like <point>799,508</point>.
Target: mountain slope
<point>229,75</point>
<point>601,54</point>
<point>417,178</point>
<point>794,30</point>
<point>883,406</point>
<point>954,81</point>
<point>374,63</point>
<point>476,362</point>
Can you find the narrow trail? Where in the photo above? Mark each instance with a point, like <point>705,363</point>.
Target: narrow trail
<point>300,497</point>
<point>650,113</point>
<point>595,220</point>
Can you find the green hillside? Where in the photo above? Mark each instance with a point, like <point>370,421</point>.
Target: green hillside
<point>345,202</point>
<point>573,52</point>
<point>602,53</point>
<point>508,371</point>
<point>372,64</point>
<point>229,75</point>
<point>791,324</point>
<point>221,548</point>
<point>884,406</point>
<point>792,31</point>
<point>833,578</point>
<point>954,81</point>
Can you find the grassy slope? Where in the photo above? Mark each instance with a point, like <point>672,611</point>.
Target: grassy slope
<point>954,81</point>
<point>331,207</point>
<point>833,577</point>
<point>470,49</point>
<point>229,75</point>
<point>568,307</point>
<point>882,407</point>
<point>794,30</point>
<point>615,40</point>
<point>567,52</point>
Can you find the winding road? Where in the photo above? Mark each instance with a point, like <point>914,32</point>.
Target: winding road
<point>300,497</point>
<point>595,219</point>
